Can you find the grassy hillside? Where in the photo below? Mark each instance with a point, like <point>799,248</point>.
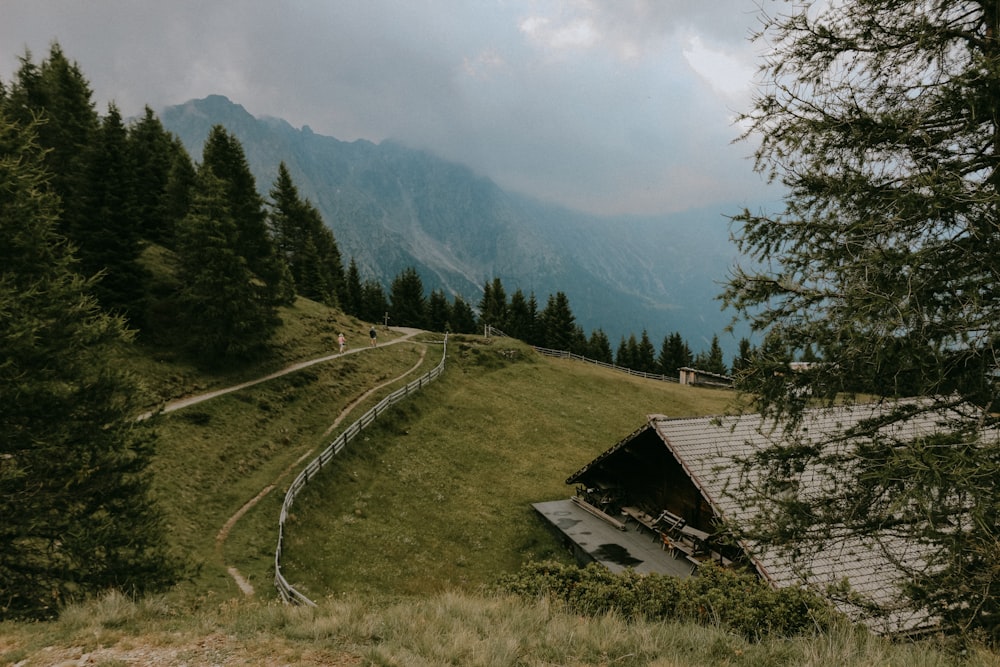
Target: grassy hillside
<point>399,536</point>
<point>436,494</point>
<point>440,495</point>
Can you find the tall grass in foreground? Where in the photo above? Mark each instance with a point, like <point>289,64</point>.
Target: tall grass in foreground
<point>449,628</point>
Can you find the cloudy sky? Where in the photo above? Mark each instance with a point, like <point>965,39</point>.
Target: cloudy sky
<point>607,106</point>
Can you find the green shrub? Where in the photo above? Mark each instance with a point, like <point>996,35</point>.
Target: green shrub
<point>739,601</point>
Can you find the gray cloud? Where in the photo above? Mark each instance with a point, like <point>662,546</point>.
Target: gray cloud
<point>603,105</point>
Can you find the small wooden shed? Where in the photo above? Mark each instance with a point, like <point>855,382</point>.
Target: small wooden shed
<point>693,376</point>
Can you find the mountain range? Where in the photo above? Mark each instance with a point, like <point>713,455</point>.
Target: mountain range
<point>391,207</point>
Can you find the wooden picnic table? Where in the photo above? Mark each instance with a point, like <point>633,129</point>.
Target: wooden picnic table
<point>694,534</point>
<point>639,516</point>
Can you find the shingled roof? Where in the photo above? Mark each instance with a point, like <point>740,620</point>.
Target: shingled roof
<point>708,448</point>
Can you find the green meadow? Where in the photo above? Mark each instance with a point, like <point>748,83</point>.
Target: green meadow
<point>401,538</point>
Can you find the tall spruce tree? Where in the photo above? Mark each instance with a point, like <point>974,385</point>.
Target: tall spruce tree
<point>224,157</point>
<point>57,92</point>
<point>674,354</point>
<point>108,236</point>
<point>463,320</point>
<point>407,301</point>
<point>305,243</point>
<point>645,354</point>
<point>881,118</point>
<point>77,516</point>
<point>351,302</point>
<point>493,305</point>
<point>743,360</point>
<point>536,335</point>
<point>151,155</point>
<point>599,347</point>
<point>712,359</point>
<point>438,316</point>
<point>227,316</point>
<point>558,325</point>
<point>521,319</point>
<point>179,191</point>
<point>623,356</point>
<point>374,303</point>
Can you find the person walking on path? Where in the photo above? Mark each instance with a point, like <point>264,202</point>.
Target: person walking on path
<point>373,335</point>
<point>343,343</point>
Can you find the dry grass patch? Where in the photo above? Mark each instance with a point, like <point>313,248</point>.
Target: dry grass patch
<point>450,628</point>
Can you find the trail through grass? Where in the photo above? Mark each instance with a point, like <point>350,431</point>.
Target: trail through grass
<point>438,494</point>
<point>216,457</point>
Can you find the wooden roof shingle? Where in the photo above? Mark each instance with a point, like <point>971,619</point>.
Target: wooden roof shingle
<point>708,449</point>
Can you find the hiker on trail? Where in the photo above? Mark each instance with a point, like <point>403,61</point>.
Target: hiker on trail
<point>343,343</point>
<point>372,335</point>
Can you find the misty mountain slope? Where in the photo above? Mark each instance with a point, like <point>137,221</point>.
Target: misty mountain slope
<point>392,207</point>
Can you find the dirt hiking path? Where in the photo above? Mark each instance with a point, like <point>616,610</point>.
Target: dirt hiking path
<point>220,538</point>
<point>191,400</point>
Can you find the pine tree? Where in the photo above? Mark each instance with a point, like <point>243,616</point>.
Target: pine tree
<point>674,354</point>
<point>407,300</point>
<point>227,316</point>
<point>578,343</point>
<point>57,92</point>
<point>493,306</point>
<point>179,192</point>
<point>352,290</point>
<point>108,233</point>
<point>330,264</point>
<point>558,324</point>
<point>151,152</point>
<point>312,280</point>
<point>713,360</point>
<point>224,157</point>
<point>77,515</point>
<point>374,303</point>
<point>744,359</point>
<point>630,355</point>
<point>521,319</point>
<point>623,357</point>
<point>463,320</point>
<point>881,119</point>
<point>536,337</point>
<point>645,354</point>
<point>599,347</point>
<point>438,311</point>
<point>305,243</point>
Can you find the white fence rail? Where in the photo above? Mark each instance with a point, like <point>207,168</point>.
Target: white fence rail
<point>288,592</point>
<point>490,331</point>
<point>621,369</point>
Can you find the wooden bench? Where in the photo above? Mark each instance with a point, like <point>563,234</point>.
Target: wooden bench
<point>669,521</point>
<point>638,516</point>
<point>694,534</point>
<point>599,513</point>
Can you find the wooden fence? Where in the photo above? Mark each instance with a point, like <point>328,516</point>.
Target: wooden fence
<point>491,331</point>
<point>288,592</point>
<point>569,355</point>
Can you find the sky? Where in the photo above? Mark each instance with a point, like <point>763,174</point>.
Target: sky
<point>603,106</point>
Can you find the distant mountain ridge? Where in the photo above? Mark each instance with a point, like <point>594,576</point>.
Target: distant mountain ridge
<point>392,207</point>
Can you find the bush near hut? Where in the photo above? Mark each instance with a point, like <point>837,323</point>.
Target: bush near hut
<point>739,601</point>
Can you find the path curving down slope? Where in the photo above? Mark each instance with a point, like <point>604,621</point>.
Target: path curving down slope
<point>171,406</point>
<point>220,539</point>
<point>192,400</point>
